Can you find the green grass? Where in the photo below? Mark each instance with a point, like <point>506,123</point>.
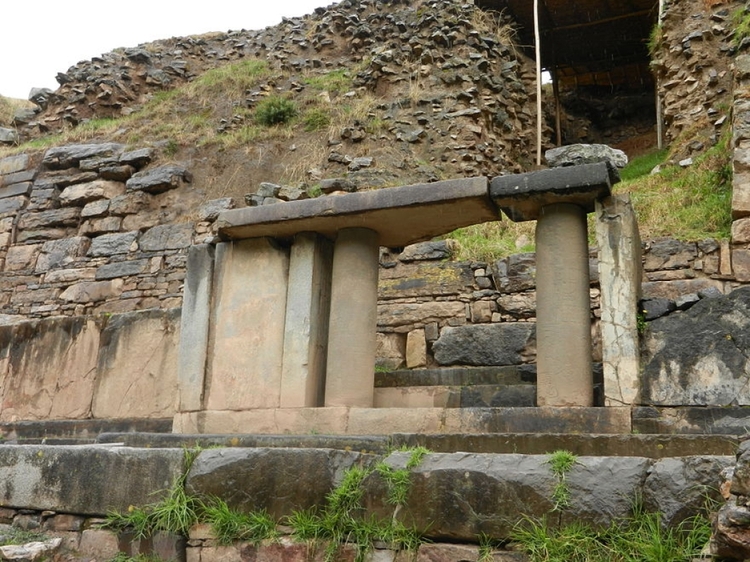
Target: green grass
<point>639,538</point>
<point>230,525</point>
<point>741,23</point>
<point>335,81</point>
<point>315,119</point>
<point>643,165</point>
<point>561,463</point>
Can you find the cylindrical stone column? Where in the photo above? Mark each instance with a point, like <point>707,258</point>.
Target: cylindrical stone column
<point>350,373</point>
<point>564,370</point>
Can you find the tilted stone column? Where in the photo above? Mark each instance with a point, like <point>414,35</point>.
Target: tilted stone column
<point>559,200</point>
<point>620,277</point>
<point>350,375</point>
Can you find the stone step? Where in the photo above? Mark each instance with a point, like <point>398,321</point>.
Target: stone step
<point>77,431</point>
<point>465,387</point>
<point>602,445</point>
<point>522,395</point>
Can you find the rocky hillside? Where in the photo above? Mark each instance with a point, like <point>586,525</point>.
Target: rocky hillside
<point>381,93</point>
<point>377,93</point>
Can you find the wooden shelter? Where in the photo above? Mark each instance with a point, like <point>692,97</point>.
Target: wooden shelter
<point>588,42</point>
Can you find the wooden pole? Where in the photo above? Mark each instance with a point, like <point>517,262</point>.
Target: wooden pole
<point>558,108</point>
<point>537,41</point>
<point>657,82</point>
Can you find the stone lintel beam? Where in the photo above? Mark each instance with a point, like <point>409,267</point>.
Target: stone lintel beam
<point>399,215</point>
<point>521,196</point>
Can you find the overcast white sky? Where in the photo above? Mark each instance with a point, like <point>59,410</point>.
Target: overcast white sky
<point>41,38</point>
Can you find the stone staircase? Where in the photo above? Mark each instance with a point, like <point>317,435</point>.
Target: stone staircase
<point>464,387</point>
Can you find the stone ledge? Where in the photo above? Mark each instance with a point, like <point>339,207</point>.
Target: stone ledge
<point>385,421</point>
<point>429,210</point>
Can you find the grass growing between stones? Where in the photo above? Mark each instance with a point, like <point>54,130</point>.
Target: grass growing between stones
<point>341,521</point>
<point>561,463</point>
<point>640,538</point>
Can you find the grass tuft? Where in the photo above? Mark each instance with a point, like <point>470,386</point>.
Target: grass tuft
<point>275,110</point>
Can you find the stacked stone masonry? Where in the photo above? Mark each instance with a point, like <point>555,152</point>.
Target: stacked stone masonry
<point>91,229</point>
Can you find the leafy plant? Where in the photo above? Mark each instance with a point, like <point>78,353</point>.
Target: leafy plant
<point>275,110</point>
<point>230,525</point>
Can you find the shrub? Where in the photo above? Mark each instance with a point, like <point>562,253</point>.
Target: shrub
<point>275,110</point>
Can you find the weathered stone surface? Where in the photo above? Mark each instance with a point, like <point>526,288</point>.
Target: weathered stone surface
<point>515,273</point>
<point>38,477</point>
<point>92,291</point>
<point>429,209</point>
<point>47,369</point>
<point>522,196</point>
<point>69,275</point>
<point>577,154</point>
<point>68,216</point>
<point>519,305</point>
<point>700,356</point>
<point>390,352</point>
<point>416,349</point>
<point>83,193</point>
<point>13,164</point>
<point>495,344</point>
<point>167,237</point>
<point>279,480</point>
<point>112,244</point>
<point>105,225</point>
<point>460,495</point>
<point>425,279</point>
<point>69,156</point>
<point>9,136</point>
<point>677,488</point>
<point>741,476</point>
<point>137,365</point>
<point>21,257</point>
<point>121,269</point>
<point>130,203</point>
<point>675,289</point>
<point>245,364</point>
<point>730,538</point>
<point>12,204</point>
<point>137,158</point>
<point>95,208</point>
<point>741,264</point>
<point>59,253</point>
<point>435,250</point>
<point>25,176</point>
<point>401,317</point>
<point>667,253</point>
<point>158,180</point>
<point>210,210</point>
<point>23,188</point>
<point>31,551</point>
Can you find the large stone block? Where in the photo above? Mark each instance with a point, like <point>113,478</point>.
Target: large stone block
<point>667,253</point>
<point>404,317</point>
<point>39,477</point>
<point>59,253</point>
<point>158,180</point>
<point>92,291</point>
<point>13,164</point>
<point>700,357</point>
<point>678,488</point>
<point>494,344</point>
<point>167,237</point>
<point>195,327</point>
<point>246,353</point>
<point>83,193</point>
<point>68,216</point>
<point>112,244</point>
<point>137,366</point>
<point>425,279</point>
<point>71,155</point>
<point>280,480</point>
<point>47,369</point>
